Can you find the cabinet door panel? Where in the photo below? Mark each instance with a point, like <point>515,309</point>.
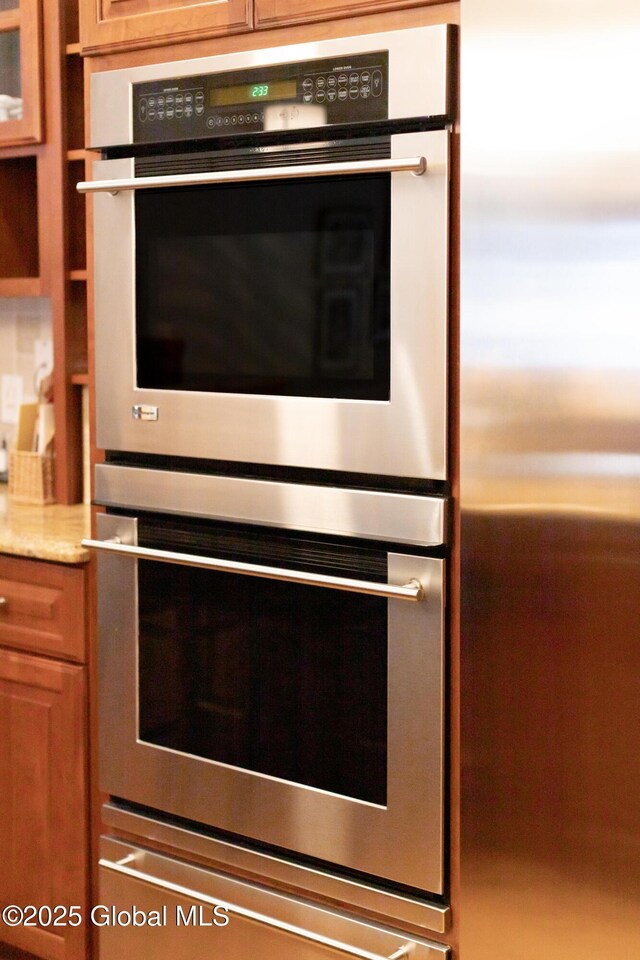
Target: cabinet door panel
<point>271,13</point>
<point>43,803</point>
<point>127,24</point>
<point>20,72</point>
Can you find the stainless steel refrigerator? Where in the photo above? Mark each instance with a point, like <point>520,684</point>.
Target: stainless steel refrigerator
<point>550,480</point>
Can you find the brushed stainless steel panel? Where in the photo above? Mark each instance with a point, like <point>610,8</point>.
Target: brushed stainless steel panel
<point>399,518</point>
<point>402,841</point>
<point>307,880</point>
<point>261,922</point>
<point>419,75</point>
<point>550,480</point>
<point>406,436</point>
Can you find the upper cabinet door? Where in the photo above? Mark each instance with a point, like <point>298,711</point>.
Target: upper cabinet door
<point>127,24</point>
<point>272,13</point>
<point>20,72</point>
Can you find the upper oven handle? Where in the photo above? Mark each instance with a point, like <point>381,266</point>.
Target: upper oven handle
<point>409,591</point>
<point>415,165</point>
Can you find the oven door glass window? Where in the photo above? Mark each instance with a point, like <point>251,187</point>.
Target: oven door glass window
<point>280,679</point>
<point>277,288</point>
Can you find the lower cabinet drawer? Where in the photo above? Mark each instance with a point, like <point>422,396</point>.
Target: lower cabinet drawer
<point>42,607</point>
<point>153,907</point>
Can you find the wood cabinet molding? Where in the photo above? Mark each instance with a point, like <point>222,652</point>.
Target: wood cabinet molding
<point>275,13</point>
<point>110,25</point>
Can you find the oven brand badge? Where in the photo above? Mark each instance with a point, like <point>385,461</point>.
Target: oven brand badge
<point>144,411</point>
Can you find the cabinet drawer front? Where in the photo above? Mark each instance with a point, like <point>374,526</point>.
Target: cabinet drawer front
<point>42,607</point>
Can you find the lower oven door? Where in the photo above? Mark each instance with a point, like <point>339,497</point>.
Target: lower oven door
<point>295,699</point>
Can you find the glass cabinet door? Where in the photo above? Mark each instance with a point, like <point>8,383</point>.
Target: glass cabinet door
<point>20,72</point>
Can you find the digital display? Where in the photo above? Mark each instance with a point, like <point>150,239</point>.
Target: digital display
<point>253,93</point>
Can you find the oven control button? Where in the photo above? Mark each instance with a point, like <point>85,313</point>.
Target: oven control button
<point>307,83</point>
<point>365,76</point>
<point>199,97</point>
<point>343,80</point>
<point>188,111</point>
<point>188,98</point>
<point>332,81</point>
<point>152,113</point>
<point>320,96</point>
<point>354,78</point>
<point>144,411</point>
<point>211,122</point>
<point>142,109</point>
<point>376,83</point>
<point>218,121</point>
<point>365,91</point>
<point>331,96</point>
<point>199,109</point>
<point>320,83</point>
<point>226,121</point>
<point>307,98</point>
<point>342,94</point>
<point>354,93</point>
<point>256,117</point>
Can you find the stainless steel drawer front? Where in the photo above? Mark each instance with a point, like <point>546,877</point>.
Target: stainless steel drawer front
<point>261,922</point>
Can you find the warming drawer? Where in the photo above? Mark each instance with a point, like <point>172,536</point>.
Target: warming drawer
<point>261,923</point>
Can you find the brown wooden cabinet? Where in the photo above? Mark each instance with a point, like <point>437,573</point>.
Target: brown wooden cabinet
<point>20,72</point>
<point>43,758</point>
<point>128,24</point>
<point>275,13</point>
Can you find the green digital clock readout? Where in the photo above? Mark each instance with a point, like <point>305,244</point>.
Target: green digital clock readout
<point>252,92</point>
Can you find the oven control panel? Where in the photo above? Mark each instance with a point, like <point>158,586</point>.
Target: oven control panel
<point>282,97</point>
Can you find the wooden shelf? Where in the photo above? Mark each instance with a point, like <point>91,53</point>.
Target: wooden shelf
<point>79,276</point>
<point>9,20</point>
<point>20,287</point>
<point>72,49</point>
<point>80,379</point>
<point>76,155</point>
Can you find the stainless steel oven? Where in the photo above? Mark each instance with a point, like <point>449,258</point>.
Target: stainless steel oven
<point>272,665</point>
<point>271,275</point>
<point>271,267</point>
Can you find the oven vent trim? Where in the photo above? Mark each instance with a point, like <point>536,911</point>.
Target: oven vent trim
<point>312,153</point>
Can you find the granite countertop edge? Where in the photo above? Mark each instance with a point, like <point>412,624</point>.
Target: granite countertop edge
<point>53,532</point>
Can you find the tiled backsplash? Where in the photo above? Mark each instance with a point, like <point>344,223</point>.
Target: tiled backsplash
<point>22,322</point>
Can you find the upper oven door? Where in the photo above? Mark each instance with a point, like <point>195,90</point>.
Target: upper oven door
<point>289,315</point>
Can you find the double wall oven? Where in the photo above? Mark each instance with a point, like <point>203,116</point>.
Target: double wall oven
<point>271,276</point>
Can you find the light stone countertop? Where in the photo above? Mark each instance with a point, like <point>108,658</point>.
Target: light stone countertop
<point>51,532</point>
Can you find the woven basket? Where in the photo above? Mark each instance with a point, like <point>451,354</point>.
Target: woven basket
<point>30,477</point>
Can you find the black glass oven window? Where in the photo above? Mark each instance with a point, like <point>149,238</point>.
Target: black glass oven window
<point>276,678</point>
<point>274,289</point>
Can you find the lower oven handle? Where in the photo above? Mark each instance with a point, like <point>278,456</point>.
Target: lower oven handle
<point>404,951</point>
<point>409,591</point>
<point>415,165</point>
